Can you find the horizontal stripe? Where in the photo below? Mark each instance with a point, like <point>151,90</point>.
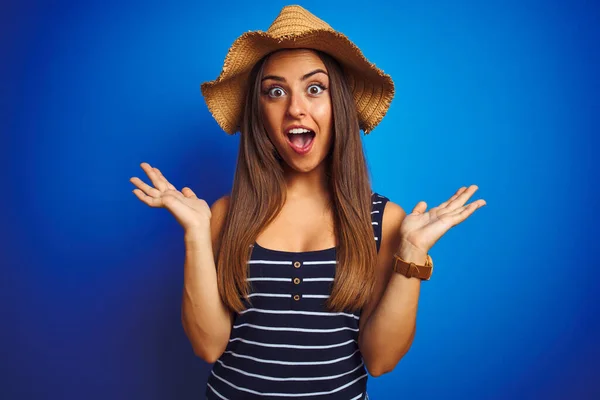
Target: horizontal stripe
<point>317,280</point>
<point>269,279</point>
<point>377,202</point>
<point>318,262</point>
<point>289,394</point>
<point>270,262</point>
<point>374,223</point>
<point>315,296</point>
<point>316,313</point>
<point>357,397</point>
<point>292,346</point>
<point>269,295</point>
<point>287,329</point>
<point>217,393</point>
<point>279,362</point>
<point>271,378</point>
<point>375,212</point>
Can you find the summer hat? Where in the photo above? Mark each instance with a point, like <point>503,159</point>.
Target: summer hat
<point>295,27</point>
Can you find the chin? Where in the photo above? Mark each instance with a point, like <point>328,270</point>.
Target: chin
<point>305,167</point>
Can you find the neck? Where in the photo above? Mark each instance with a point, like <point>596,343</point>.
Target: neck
<point>312,184</point>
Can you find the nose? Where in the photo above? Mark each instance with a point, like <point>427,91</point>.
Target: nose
<point>297,105</point>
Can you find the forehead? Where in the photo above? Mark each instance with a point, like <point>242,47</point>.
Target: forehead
<point>293,62</point>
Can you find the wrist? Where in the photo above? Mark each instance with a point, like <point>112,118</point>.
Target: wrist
<point>409,253</point>
<point>196,237</point>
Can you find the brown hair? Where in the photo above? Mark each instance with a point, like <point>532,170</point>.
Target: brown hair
<point>259,193</point>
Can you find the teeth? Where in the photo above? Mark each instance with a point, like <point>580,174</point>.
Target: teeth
<point>297,131</point>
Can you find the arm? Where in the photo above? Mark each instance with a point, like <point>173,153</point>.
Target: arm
<point>206,320</point>
<point>388,322</point>
<point>387,325</point>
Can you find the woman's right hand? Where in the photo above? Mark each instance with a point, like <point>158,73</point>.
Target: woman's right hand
<point>190,211</point>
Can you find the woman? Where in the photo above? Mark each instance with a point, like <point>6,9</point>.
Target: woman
<point>302,280</point>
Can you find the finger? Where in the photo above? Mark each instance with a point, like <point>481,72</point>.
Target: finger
<point>461,199</point>
<point>154,177</point>
<point>460,214</point>
<point>454,196</point>
<point>420,208</point>
<point>189,193</point>
<point>149,200</point>
<point>161,182</point>
<point>144,187</point>
<point>161,176</point>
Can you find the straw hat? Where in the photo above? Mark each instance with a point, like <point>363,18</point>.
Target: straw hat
<point>295,27</point>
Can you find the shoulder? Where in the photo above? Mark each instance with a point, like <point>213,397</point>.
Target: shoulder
<point>393,216</point>
<point>218,210</point>
<point>220,206</point>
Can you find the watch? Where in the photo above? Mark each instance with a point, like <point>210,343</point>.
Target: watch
<point>411,270</point>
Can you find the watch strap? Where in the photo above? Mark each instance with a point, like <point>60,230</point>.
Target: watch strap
<point>412,270</point>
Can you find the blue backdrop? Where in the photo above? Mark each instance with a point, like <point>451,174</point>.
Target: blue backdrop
<point>501,94</point>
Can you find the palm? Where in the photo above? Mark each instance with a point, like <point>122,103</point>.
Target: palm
<point>423,229</point>
<point>186,207</point>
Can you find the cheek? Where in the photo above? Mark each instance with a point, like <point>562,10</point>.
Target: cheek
<point>272,122</point>
<point>322,112</point>
<point>271,114</point>
<point>268,117</point>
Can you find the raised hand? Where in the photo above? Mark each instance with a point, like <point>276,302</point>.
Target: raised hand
<point>420,230</point>
<point>190,211</point>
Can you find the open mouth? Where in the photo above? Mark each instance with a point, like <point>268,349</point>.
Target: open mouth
<point>300,138</point>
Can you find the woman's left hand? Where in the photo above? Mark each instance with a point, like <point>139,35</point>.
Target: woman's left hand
<point>420,230</point>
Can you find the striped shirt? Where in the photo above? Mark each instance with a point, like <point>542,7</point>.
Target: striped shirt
<point>286,344</point>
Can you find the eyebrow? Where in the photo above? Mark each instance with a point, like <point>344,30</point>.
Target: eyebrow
<point>304,77</point>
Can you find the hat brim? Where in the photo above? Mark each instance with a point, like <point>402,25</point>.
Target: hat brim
<point>372,89</point>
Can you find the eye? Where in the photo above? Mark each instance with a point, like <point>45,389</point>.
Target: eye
<point>316,88</point>
<point>275,92</point>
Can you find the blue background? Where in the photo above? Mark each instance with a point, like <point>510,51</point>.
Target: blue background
<point>501,94</point>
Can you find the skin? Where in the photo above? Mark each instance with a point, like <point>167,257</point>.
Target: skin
<point>294,91</point>
<point>388,322</point>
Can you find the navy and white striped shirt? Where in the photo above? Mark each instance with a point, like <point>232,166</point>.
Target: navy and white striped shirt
<point>287,345</point>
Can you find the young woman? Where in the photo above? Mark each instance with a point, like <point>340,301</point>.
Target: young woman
<point>303,279</point>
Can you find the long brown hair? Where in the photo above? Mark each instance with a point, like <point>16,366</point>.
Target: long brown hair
<point>259,193</point>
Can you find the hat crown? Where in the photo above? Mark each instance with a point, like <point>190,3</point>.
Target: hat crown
<point>294,20</point>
